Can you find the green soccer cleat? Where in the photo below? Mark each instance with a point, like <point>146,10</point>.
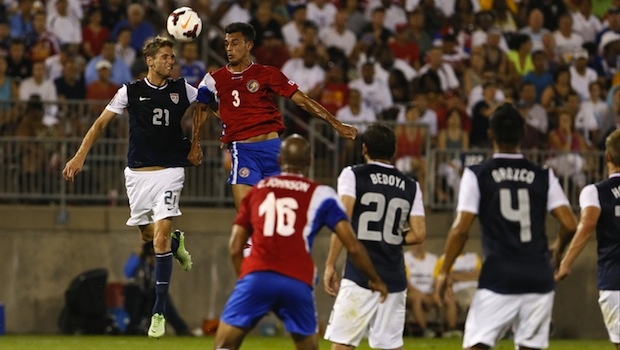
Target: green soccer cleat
<point>182,255</point>
<point>158,326</point>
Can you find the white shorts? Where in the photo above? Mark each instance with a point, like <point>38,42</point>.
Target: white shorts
<point>491,315</point>
<point>153,195</point>
<point>609,300</point>
<point>358,312</point>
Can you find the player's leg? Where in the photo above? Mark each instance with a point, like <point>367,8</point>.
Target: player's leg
<point>489,317</point>
<point>305,342</point>
<point>386,329</point>
<point>239,191</point>
<point>229,337</point>
<point>532,326</point>
<point>449,311</point>
<point>609,302</point>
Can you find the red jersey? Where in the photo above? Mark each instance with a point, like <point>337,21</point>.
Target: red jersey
<point>246,99</point>
<point>283,214</point>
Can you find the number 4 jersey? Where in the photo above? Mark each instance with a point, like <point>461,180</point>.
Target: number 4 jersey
<point>283,214</point>
<point>385,198</point>
<point>512,196</point>
<point>155,112</point>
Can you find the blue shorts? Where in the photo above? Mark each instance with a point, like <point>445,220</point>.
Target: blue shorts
<point>260,292</point>
<point>254,161</point>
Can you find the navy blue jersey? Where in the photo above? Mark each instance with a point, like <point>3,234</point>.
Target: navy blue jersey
<point>608,234</point>
<point>384,198</point>
<point>512,210</point>
<point>155,135</point>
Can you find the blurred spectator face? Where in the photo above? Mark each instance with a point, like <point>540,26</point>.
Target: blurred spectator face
<point>340,21</point>
<point>124,37</point>
<point>135,14</point>
<point>5,30</point>
<point>595,90</point>
<point>95,16</point>
<point>334,73</point>
<point>62,7</point>
<point>536,20</point>
<point>299,15</point>
<point>565,24</point>
<point>368,72</point>
<point>476,61</point>
<point>104,74</point>
<point>107,51</point>
<point>526,46</point>
<point>581,63</point>
<point>489,92</point>
<point>585,7</point>
<point>25,7</point>
<point>263,13</point>
<point>540,62</point>
<point>435,57</point>
<point>565,121</point>
<point>493,38</point>
<point>69,69</point>
<point>38,22</point>
<point>416,19</point>
<point>573,103</point>
<point>563,78</point>
<point>528,93</point>
<point>421,102</point>
<point>38,71</point>
<point>454,119</point>
<point>3,65</point>
<point>17,51</point>
<point>310,56</point>
<point>378,18</point>
<point>412,115</point>
<point>309,35</point>
<point>385,58</point>
<point>190,51</point>
<point>355,98</point>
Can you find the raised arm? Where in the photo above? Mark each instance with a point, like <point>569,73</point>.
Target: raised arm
<point>316,110</point>
<point>75,164</point>
<point>201,113</point>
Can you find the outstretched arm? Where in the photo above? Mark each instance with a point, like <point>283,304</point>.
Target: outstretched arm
<point>585,230</point>
<point>315,109</point>
<point>75,164</point>
<point>201,113</point>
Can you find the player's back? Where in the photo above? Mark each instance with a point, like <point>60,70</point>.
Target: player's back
<point>608,234</point>
<point>285,213</point>
<point>384,198</point>
<point>512,212</point>
<point>155,134</point>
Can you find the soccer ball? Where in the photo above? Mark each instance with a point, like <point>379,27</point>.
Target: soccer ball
<point>184,24</point>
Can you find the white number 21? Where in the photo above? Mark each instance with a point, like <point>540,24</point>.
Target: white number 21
<point>279,215</point>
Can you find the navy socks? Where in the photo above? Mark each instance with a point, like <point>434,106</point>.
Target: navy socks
<point>163,271</point>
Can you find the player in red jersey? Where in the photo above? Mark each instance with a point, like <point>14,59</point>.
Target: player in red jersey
<point>251,121</point>
<point>283,214</point>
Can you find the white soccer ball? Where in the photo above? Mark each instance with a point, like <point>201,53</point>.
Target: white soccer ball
<point>184,24</point>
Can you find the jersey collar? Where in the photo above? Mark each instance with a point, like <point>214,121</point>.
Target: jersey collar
<point>508,155</point>
<point>246,68</point>
<point>385,165</point>
<point>146,80</point>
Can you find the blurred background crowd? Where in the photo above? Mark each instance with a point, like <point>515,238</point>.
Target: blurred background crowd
<point>435,68</point>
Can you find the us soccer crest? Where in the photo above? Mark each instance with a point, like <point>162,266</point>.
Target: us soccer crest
<point>174,97</point>
<point>252,86</point>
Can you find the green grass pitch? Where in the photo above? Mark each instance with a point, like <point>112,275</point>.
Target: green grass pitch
<point>51,342</point>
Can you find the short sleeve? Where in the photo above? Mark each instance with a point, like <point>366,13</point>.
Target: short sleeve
<point>330,209</point>
<point>119,102</point>
<point>347,183</point>
<point>589,197</point>
<point>555,195</point>
<point>469,193</point>
<point>280,84</point>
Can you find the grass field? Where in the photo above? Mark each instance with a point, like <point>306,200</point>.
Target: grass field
<point>35,342</point>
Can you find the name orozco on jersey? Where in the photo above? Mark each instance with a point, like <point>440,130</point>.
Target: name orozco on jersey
<point>513,174</point>
<point>385,179</point>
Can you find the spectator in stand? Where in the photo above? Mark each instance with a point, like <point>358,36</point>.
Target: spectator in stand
<point>21,21</point>
<point>123,49</point>
<point>481,114</point>
<point>39,85</point>
<point>581,75</point>
<point>306,71</point>
<point>521,57</point>
<point>386,62</point>
<point>472,76</point>
<point>263,21</point>
<point>65,25</point>
<point>238,11</point>
<point>551,11</point>
<point>54,65</point>
<point>566,40</point>
<point>394,14</point>
<point>452,140</point>
<point>357,114</point>
<point>404,48</point>
<point>540,75</point>
<point>335,90</point>
<point>435,18</point>
<point>375,92</point>
<point>399,88</point>
<point>555,96</point>
<point>428,116</point>
<point>192,68</point>
<point>8,94</point>
<point>410,146</point>
<point>611,24</point>
<point>120,72</point>
<point>71,89</point>
<point>590,121</point>
<point>485,23</point>
<point>5,36</point>
<point>113,12</point>
<point>495,58</point>
<point>375,33</point>
<point>19,66</point>
<point>444,71</point>
<point>293,29</point>
<point>141,29</point>
<point>585,23</point>
<point>453,54</point>
<point>103,88</point>
<point>418,33</point>
<point>550,50</point>
<point>355,16</point>
<point>94,33</point>
<point>504,16</point>
<point>535,29</point>
<point>338,35</point>
<point>40,43</point>
<point>74,7</point>
<point>321,12</point>
<point>536,120</point>
<point>477,92</point>
<point>272,51</point>
<point>609,49</point>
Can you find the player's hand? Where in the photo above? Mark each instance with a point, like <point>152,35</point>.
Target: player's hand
<point>379,286</point>
<point>72,168</point>
<point>331,281</point>
<point>195,153</point>
<point>347,131</point>
<point>562,273</point>
<point>442,285</point>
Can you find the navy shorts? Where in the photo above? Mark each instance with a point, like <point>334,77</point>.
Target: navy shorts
<point>254,161</point>
<point>260,292</point>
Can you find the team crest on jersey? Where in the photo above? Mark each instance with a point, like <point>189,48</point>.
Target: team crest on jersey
<point>244,172</point>
<point>252,86</point>
<point>174,97</point>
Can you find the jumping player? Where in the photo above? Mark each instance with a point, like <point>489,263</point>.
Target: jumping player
<point>599,203</point>
<point>386,210</point>
<point>511,196</point>
<point>251,121</point>
<point>156,159</point>
<point>283,214</point>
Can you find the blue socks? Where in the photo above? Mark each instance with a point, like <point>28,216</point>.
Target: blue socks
<point>174,243</point>
<point>163,271</point>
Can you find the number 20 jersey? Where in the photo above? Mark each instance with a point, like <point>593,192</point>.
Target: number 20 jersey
<point>384,200</point>
<point>283,214</point>
<point>511,196</point>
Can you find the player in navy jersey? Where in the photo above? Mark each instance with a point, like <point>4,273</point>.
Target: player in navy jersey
<point>251,121</point>
<point>156,159</point>
<point>511,196</point>
<point>599,212</point>
<point>386,211</point>
<point>283,214</point>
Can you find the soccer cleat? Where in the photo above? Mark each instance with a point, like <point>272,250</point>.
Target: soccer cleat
<point>158,326</point>
<point>182,255</point>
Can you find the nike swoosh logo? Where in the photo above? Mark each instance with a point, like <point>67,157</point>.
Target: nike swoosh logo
<point>186,23</point>
<point>144,98</point>
<point>159,283</point>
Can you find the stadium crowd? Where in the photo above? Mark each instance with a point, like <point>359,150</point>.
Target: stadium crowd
<point>441,66</point>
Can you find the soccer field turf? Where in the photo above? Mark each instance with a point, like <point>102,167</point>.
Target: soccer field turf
<point>36,342</point>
